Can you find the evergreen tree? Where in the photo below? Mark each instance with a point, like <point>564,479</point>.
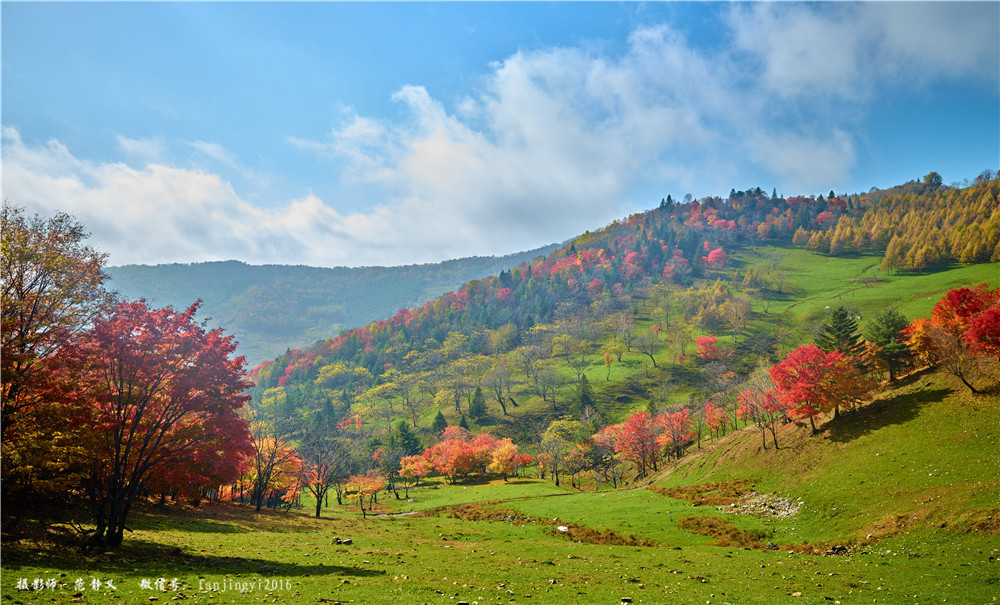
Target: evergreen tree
<point>840,334</point>
<point>477,407</point>
<point>440,424</point>
<point>407,441</point>
<point>463,423</point>
<point>584,396</point>
<point>886,331</point>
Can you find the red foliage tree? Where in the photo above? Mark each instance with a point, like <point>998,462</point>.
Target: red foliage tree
<point>595,288</point>
<point>411,470</point>
<point>677,430</point>
<point>983,332</point>
<point>809,381</point>
<point>166,394</point>
<point>637,440</point>
<point>715,418</point>
<point>964,328</point>
<point>707,347</point>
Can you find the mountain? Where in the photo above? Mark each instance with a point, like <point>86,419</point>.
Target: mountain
<point>270,308</point>
<point>663,308</point>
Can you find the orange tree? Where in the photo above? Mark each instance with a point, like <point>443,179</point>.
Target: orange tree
<point>52,287</point>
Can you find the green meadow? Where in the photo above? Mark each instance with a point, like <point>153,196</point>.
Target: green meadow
<point>899,502</point>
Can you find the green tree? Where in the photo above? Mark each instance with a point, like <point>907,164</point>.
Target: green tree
<point>440,424</point>
<point>408,442</point>
<point>885,330</point>
<point>840,334</point>
<point>477,407</point>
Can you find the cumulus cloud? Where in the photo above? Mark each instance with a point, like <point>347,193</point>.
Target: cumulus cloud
<point>168,214</point>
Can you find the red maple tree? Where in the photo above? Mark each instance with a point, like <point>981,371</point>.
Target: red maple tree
<point>810,381</point>
<point>165,393</point>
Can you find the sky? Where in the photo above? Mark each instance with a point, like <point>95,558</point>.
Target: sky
<point>353,134</point>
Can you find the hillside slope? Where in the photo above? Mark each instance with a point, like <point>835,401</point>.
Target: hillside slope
<point>920,457</point>
<point>628,306</point>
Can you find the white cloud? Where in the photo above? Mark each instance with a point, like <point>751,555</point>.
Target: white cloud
<point>166,214</point>
<point>222,156</point>
<point>848,50</point>
<point>559,136</point>
<point>802,161</point>
<point>552,142</point>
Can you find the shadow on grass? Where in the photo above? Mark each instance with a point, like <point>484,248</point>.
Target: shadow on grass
<point>191,525</point>
<point>881,413</point>
<point>151,559</point>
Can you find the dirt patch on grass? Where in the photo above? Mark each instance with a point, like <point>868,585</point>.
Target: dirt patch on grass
<point>486,512</point>
<point>708,494</point>
<point>572,531</point>
<point>894,524</point>
<point>978,521</point>
<point>724,532</point>
<point>579,533</point>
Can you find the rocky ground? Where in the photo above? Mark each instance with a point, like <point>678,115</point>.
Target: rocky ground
<point>763,505</point>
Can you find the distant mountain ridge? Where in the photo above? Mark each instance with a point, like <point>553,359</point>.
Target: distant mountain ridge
<point>270,308</point>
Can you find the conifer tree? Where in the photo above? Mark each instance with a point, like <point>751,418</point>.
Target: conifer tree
<point>463,423</point>
<point>886,331</point>
<point>840,334</point>
<point>440,424</point>
<point>477,407</point>
<point>407,441</point>
<point>585,395</point>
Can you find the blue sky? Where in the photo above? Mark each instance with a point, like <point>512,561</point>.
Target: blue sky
<point>392,133</point>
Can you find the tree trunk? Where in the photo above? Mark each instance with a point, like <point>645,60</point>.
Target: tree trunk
<point>966,383</point>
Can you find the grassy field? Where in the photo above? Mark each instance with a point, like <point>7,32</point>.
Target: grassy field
<point>816,281</point>
<point>902,496</point>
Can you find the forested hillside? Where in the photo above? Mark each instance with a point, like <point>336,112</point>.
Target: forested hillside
<point>642,292</point>
<point>270,308</point>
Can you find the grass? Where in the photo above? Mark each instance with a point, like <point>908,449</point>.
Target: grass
<point>818,281</point>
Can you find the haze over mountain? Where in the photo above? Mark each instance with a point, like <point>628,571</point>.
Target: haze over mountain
<point>272,307</point>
